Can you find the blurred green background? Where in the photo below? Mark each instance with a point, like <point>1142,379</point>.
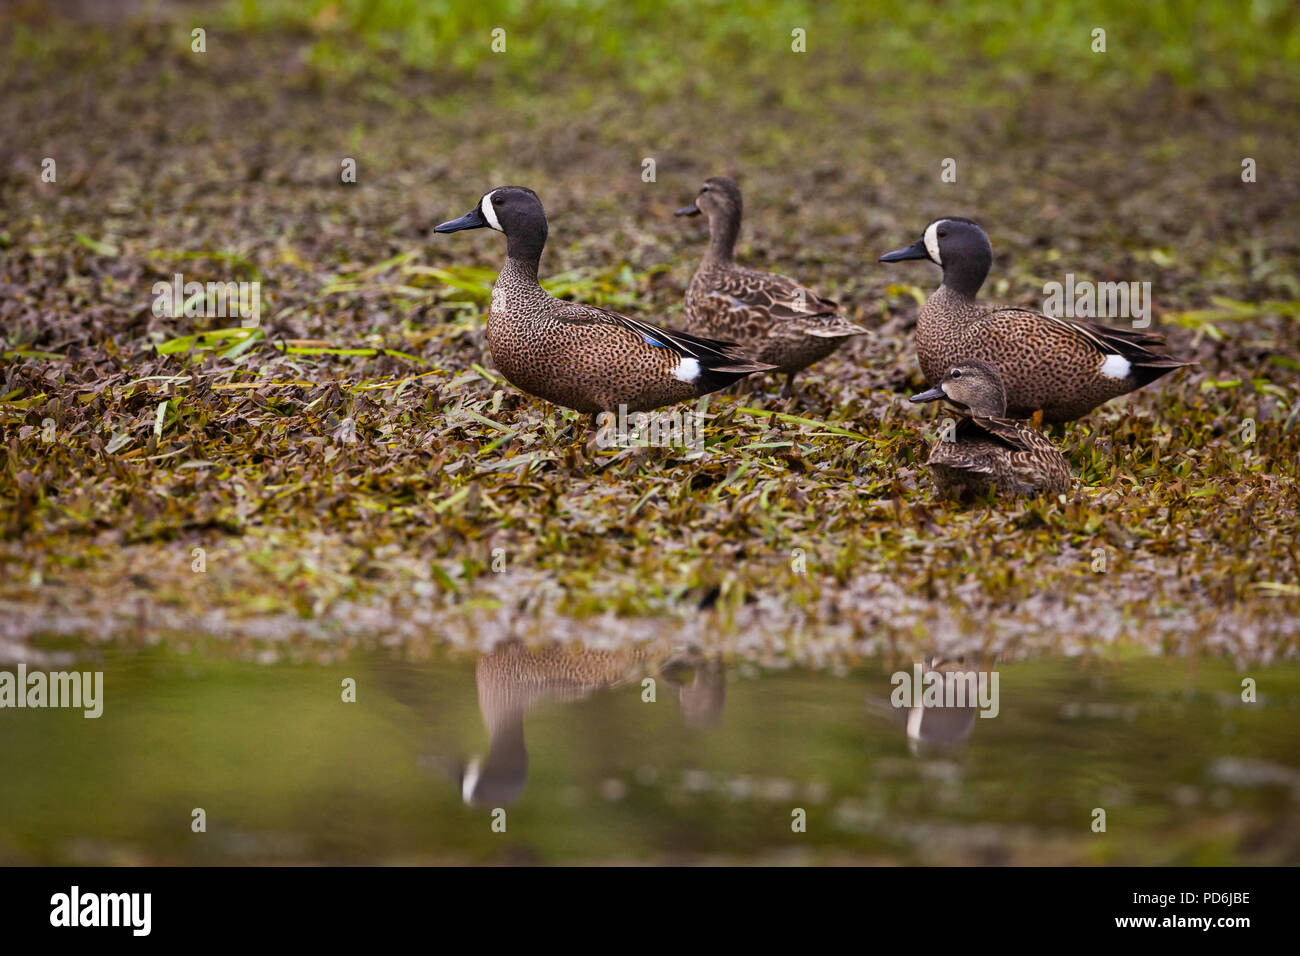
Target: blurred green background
<point>665,46</point>
<point>654,45</point>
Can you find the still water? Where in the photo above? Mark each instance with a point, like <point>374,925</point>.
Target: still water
<point>562,755</point>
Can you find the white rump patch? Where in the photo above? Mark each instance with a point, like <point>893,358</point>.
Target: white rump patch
<point>1115,366</point>
<point>489,213</point>
<point>688,370</point>
<point>932,242</point>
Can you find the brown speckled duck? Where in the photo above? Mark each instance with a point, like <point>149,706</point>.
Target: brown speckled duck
<point>775,318</point>
<point>1063,367</point>
<point>987,450</point>
<point>580,356</point>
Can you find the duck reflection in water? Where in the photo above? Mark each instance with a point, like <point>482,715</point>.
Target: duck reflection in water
<point>938,730</point>
<point>514,678</point>
<point>703,697</point>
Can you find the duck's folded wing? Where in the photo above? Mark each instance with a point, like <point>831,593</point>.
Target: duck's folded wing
<point>973,456</point>
<point>780,296</point>
<point>1143,348</point>
<point>771,296</point>
<point>719,356</point>
<point>1009,432</point>
<point>1039,464</point>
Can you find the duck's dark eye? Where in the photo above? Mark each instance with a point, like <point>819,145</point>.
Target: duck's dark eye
<point>956,373</point>
<point>496,200</point>
<point>943,234</point>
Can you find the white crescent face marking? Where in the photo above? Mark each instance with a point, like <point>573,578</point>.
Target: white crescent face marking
<point>932,242</point>
<point>489,213</point>
<point>688,370</point>
<point>1115,366</point>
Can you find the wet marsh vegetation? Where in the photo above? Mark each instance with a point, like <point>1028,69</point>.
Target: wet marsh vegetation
<point>353,478</point>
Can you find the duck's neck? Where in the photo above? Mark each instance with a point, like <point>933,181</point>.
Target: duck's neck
<point>992,408</point>
<point>948,303</point>
<point>965,276</point>
<point>724,229</point>
<point>505,770</point>
<point>520,272</point>
<point>525,248</point>
<point>506,728</point>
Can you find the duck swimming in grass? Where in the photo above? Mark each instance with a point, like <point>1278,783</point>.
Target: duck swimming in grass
<point>987,450</point>
<point>776,318</point>
<point>580,356</point>
<point>1063,367</point>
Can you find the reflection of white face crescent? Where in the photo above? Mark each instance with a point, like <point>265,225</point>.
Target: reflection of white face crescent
<point>932,242</point>
<point>489,213</point>
<point>470,780</point>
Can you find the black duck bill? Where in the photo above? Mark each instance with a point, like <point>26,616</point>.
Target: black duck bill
<point>471,220</point>
<point>916,250</point>
<point>931,395</point>
<point>691,210</point>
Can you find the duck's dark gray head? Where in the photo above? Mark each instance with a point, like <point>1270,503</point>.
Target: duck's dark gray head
<point>513,210</point>
<point>972,385</point>
<point>958,246</point>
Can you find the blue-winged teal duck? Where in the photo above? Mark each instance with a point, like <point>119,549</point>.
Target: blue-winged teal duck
<point>511,680</point>
<point>1063,367</point>
<point>579,356</point>
<point>987,450</point>
<point>775,318</point>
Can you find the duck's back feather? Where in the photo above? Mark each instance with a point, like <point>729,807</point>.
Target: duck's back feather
<point>1002,452</point>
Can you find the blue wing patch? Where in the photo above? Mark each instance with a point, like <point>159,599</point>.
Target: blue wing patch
<point>653,342</point>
